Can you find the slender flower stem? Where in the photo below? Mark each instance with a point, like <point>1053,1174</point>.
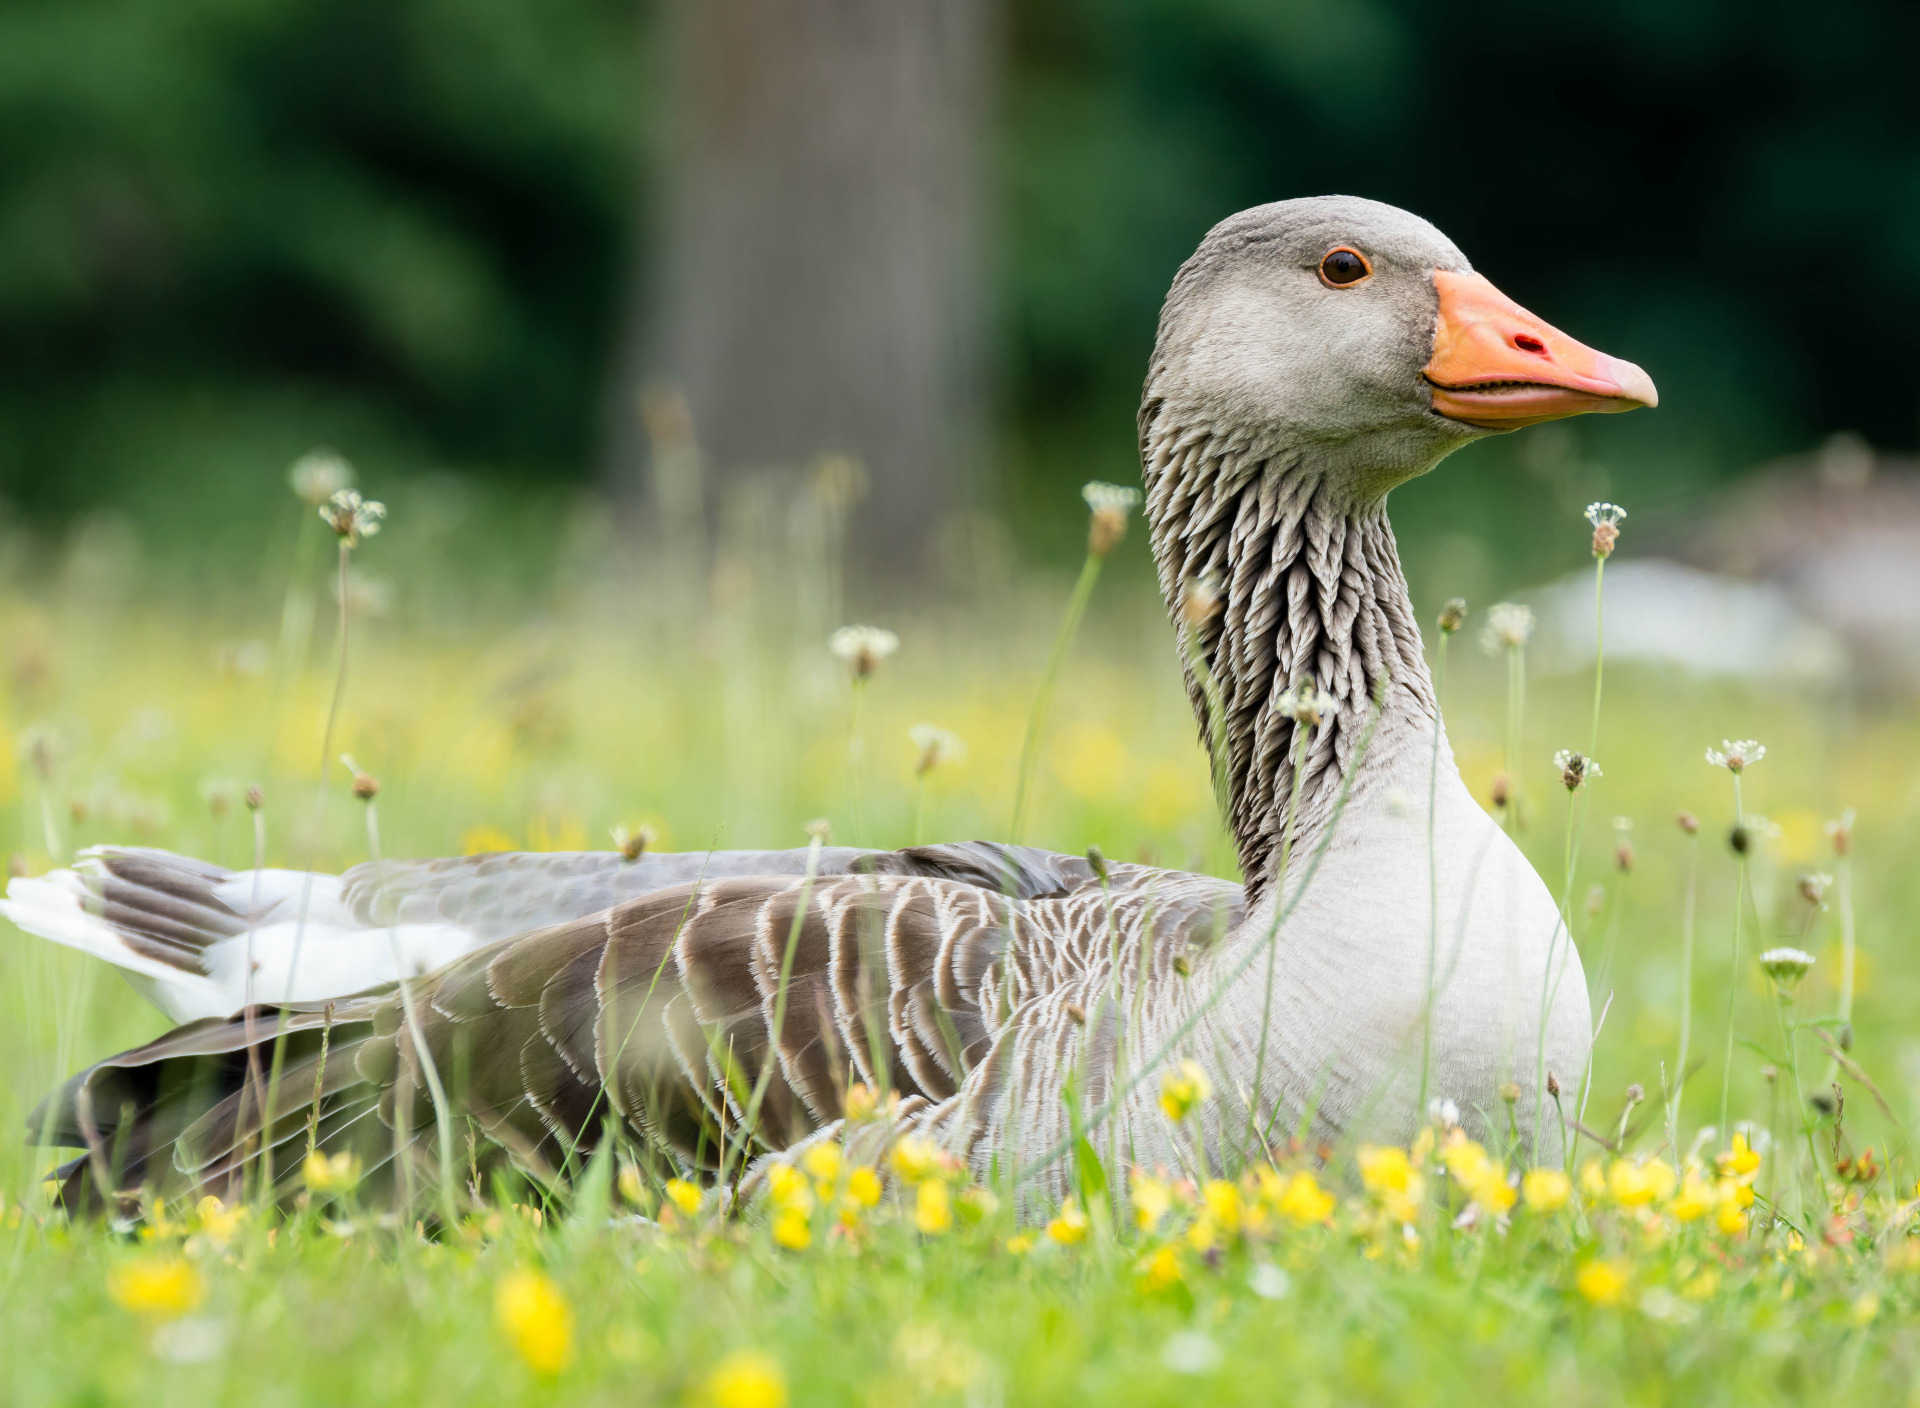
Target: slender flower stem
<point>1686,992</point>
<point>1036,721</point>
<point>856,751</point>
<point>1547,985</point>
<point>306,884</point>
<point>1733,980</point>
<point>1843,867</point>
<point>1279,892</point>
<point>442,1111</point>
<point>1433,875</point>
<point>1599,649</point>
<point>1216,724</point>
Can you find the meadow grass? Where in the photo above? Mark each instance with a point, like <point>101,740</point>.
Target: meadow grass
<point>598,702</point>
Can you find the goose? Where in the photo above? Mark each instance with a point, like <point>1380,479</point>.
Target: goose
<point>1311,355</point>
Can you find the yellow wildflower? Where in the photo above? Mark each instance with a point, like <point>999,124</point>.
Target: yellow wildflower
<point>536,1320</point>
<point>1222,1201</point>
<point>1181,1091</point>
<point>1385,1168</point>
<point>1302,1201</point>
<point>792,1230</point>
<point>861,1103</point>
<point>863,1187</point>
<point>1203,1236</point>
<point>1546,1189</point>
<point>326,1174</point>
<point>1602,1282</point>
<point>1069,1229</point>
<point>823,1162</point>
<point>932,1208</point>
<point>1020,1244</point>
<point>1740,1160</point>
<point>1159,1271</point>
<point>684,1196</point>
<point>1593,1180</point>
<point>747,1378</point>
<point>633,1187</point>
<point>1695,1199</point>
<point>915,1159</point>
<point>1478,1175</point>
<point>1390,1175</point>
<point>158,1286</point>
<point>1151,1200</point>
<point>1635,1185</point>
<point>218,1222</point>
<point>1729,1216</point>
<point>788,1188</point>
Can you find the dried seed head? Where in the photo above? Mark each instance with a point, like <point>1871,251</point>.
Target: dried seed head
<point>1786,966</point>
<point>1575,768</point>
<point>1841,831</point>
<point>1508,627</point>
<point>1110,504</point>
<point>1623,856</point>
<point>1688,823</point>
<point>1636,1093</point>
<point>365,786</point>
<point>1453,615</point>
<point>1736,756</point>
<point>1741,839</point>
<point>1200,598</point>
<point>1553,1085</point>
<point>1510,1092</point>
<point>862,648</point>
<point>1098,860</point>
<point>1606,520</point>
<point>937,748</point>
<point>255,797</point>
<point>632,844</point>
<point>821,830</point>
<point>1501,791</point>
<point>1077,1013</point>
<point>318,475</point>
<point>1814,886</point>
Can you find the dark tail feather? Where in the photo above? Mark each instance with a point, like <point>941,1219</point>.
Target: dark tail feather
<point>180,1112</point>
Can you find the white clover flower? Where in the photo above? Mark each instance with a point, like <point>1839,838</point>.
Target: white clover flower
<point>1786,966</point>
<point>1814,886</point>
<point>318,475</point>
<point>1606,520</point>
<point>1575,768</point>
<point>1305,705</point>
<point>1200,598</point>
<point>1102,497</point>
<point>1508,627</point>
<point>937,747</point>
<point>352,517</point>
<point>863,648</point>
<point>1736,756</point>
<point>1109,504</point>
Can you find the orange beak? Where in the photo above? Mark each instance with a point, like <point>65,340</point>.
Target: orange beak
<point>1498,367</point>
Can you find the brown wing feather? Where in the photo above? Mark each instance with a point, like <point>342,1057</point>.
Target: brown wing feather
<point>667,1012</point>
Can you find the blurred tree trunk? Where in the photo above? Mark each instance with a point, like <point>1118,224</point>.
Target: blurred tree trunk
<point>815,290</point>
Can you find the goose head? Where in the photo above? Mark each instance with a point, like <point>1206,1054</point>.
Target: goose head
<point>1358,335</point>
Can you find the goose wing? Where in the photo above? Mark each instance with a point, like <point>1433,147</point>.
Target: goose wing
<point>706,1016</point>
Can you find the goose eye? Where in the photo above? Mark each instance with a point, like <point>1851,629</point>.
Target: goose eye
<point>1344,266</point>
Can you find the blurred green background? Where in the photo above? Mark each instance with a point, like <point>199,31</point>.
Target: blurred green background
<point>432,234</point>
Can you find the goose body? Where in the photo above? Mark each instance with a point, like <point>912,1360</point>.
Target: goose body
<point>1312,354</point>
